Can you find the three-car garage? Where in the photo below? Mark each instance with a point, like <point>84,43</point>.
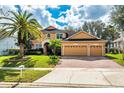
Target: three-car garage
<point>79,49</point>
<point>83,44</point>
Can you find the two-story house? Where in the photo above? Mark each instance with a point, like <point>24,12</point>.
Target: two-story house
<point>50,33</point>
<point>72,44</point>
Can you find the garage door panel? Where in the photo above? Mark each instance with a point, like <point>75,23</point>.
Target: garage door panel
<point>95,50</point>
<point>75,50</point>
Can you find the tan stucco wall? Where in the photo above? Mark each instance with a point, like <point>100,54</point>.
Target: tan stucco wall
<point>44,37</point>
<point>81,35</point>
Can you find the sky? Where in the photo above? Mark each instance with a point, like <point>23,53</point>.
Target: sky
<point>62,16</point>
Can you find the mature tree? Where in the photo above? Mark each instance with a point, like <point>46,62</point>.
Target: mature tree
<point>94,27</point>
<point>55,44</point>
<point>110,33</point>
<point>117,18</point>
<point>85,27</point>
<point>23,24</point>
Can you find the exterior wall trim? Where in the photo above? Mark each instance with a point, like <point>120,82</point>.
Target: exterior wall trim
<point>103,41</point>
<point>83,44</point>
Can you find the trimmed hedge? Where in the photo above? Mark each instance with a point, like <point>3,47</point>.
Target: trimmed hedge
<point>34,51</point>
<point>13,51</point>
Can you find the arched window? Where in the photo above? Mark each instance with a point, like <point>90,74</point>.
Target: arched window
<point>48,35</point>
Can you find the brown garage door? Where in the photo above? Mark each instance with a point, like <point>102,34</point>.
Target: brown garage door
<point>75,50</point>
<point>95,50</point>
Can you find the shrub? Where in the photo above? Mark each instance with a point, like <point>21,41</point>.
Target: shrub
<point>34,52</point>
<point>53,60</point>
<point>113,50</point>
<point>13,51</point>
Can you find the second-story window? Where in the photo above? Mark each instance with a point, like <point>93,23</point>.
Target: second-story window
<point>48,35</point>
<point>59,35</point>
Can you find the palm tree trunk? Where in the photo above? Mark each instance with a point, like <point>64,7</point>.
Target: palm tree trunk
<point>21,50</point>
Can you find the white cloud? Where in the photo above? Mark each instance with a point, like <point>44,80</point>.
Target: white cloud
<point>72,17</point>
<point>53,6</point>
<point>75,16</point>
<point>5,11</point>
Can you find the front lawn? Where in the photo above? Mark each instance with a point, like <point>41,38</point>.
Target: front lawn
<point>14,75</point>
<point>116,58</point>
<point>35,61</point>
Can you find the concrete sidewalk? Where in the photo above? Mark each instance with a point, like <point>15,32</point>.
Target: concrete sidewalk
<point>86,77</point>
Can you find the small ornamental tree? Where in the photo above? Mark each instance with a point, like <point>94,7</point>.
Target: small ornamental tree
<point>55,44</point>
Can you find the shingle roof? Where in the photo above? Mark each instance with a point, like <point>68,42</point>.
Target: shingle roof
<point>52,29</point>
<point>93,39</point>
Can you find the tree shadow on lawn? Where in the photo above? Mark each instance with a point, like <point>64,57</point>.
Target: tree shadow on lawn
<point>8,73</point>
<point>28,63</point>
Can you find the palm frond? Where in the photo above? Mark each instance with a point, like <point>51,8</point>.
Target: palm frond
<point>4,34</point>
<point>7,19</point>
<point>29,16</point>
<point>24,14</point>
<point>34,22</point>
<point>9,24</point>
<point>17,17</point>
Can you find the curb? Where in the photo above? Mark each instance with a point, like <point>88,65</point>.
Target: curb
<point>50,85</point>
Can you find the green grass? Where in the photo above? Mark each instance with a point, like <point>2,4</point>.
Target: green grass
<point>14,75</point>
<point>116,58</point>
<point>35,61</point>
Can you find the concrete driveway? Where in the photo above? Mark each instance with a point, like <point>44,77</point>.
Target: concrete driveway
<point>85,72</point>
<point>84,77</point>
<point>87,62</point>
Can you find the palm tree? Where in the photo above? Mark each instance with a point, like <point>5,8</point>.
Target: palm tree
<point>22,24</point>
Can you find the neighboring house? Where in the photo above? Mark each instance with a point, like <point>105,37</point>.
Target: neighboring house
<point>73,43</point>
<point>7,43</point>
<point>119,43</point>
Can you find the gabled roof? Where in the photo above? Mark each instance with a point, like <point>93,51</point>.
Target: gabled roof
<point>81,35</point>
<point>119,39</point>
<point>52,29</point>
